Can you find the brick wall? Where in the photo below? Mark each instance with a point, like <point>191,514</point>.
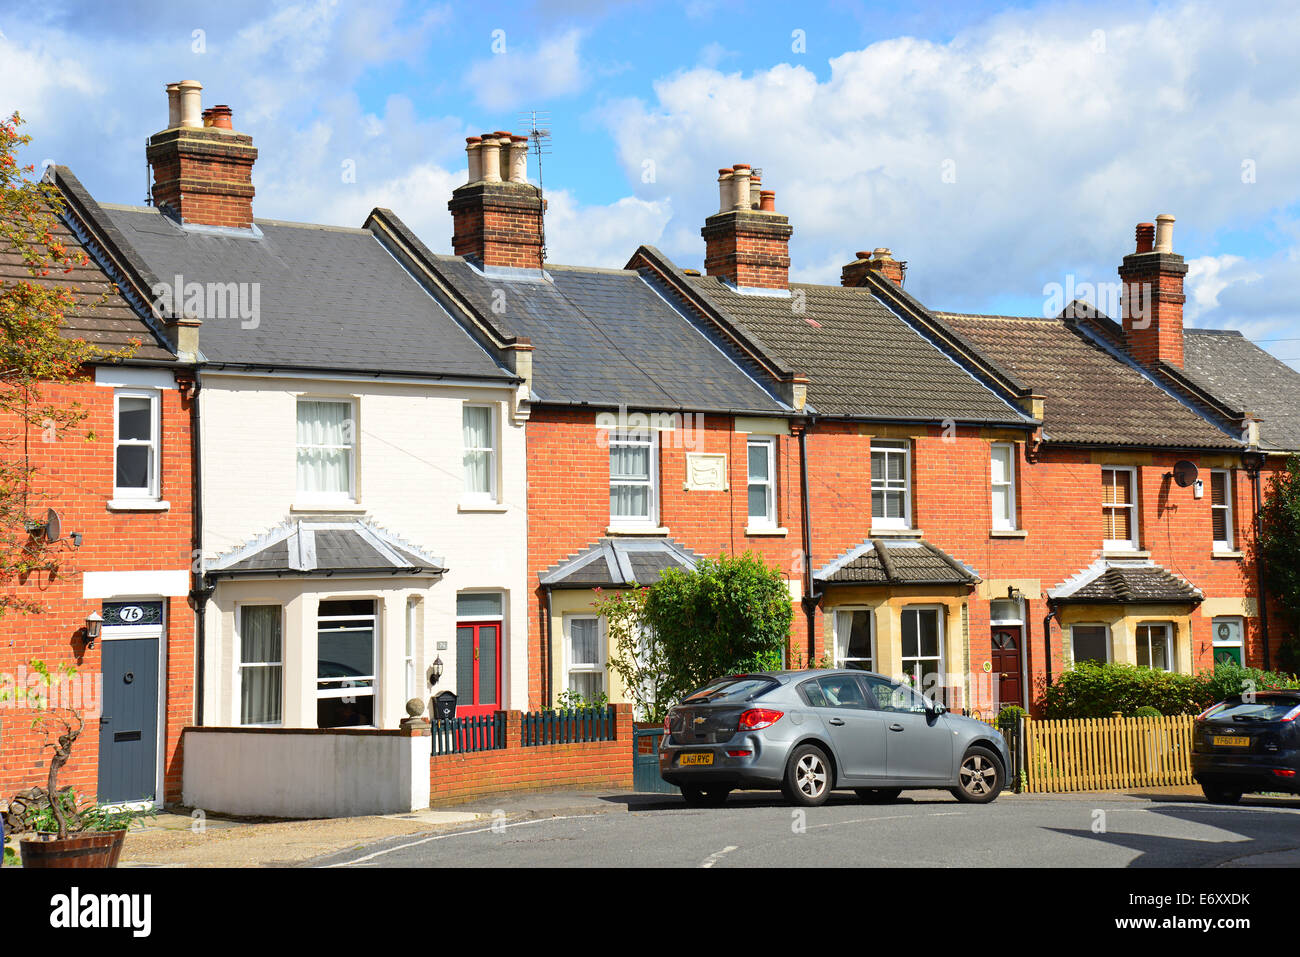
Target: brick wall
<point>456,778</point>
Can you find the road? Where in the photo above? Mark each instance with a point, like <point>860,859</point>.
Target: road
<point>922,829</point>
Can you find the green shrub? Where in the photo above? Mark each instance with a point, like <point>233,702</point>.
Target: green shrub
<point>1146,711</point>
<point>1090,690</point>
<point>1009,716</point>
<point>1228,679</point>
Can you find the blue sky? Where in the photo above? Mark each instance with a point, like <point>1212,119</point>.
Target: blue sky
<point>1002,150</point>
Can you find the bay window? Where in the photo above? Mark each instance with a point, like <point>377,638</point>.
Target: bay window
<point>1155,647</point>
<point>1090,643</point>
<point>261,665</point>
<point>585,663</point>
<point>345,663</point>
<point>923,648</point>
<point>855,639</point>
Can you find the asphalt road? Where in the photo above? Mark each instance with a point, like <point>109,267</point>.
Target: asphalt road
<point>923,829</point>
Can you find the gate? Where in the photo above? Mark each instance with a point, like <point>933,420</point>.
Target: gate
<point>645,762</point>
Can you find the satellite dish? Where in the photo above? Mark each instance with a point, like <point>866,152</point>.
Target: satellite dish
<point>1186,473</point>
<point>53,526</point>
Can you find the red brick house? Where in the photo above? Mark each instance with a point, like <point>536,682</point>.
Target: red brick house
<point>123,503</point>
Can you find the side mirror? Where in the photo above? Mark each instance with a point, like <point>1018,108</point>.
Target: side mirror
<point>937,708</point>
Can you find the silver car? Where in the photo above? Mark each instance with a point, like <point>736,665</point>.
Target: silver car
<point>810,732</point>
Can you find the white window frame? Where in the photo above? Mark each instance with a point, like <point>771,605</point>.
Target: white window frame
<point>411,650</point>
<point>650,438</point>
<point>893,447</point>
<point>316,498</point>
<point>841,639</point>
<point>1170,638</point>
<point>1110,639</point>
<point>1239,642</point>
<point>941,614</point>
<point>153,490</point>
<point>768,443</point>
<point>1225,544</point>
<point>493,452</point>
<point>374,678</point>
<point>240,665</point>
<point>598,667</point>
<point>1008,524</point>
<point>1131,544</point>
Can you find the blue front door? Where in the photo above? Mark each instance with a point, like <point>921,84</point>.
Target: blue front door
<point>128,724</point>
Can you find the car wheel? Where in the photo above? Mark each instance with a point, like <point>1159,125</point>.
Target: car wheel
<point>877,795</point>
<point>808,776</point>
<point>1219,794</point>
<point>702,797</point>
<point>979,779</point>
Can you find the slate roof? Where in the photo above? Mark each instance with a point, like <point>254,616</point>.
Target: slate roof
<point>908,561</point>
<point>1228,365</point>
<point>1094,395</point>
<point>101,314</point>
<point>615,562</point>
<point>609,337</point>
<point>861,358</point>
<point>325,546</point>
<point>330,298</point>
<point>1118,582</point>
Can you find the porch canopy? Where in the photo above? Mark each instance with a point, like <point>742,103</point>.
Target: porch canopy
<point>618,563</point>
<point>325,547</point>
<point>907,561</point>
<point>1126,582</point>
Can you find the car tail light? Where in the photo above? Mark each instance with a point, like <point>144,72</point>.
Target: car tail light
<point>740,753</point>
<point>1292,714</point>
<point>667,726</point>
<point>1283,773</point>
<point>757,718</point>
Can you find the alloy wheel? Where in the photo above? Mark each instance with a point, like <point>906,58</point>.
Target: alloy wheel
<point>978,775</point>
<point>810,775</point>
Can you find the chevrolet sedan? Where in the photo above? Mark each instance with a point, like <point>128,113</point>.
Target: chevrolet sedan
<point>808,733</point>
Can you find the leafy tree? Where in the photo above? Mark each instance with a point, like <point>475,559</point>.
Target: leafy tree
<point>33,355</point>
<point>1279,548</point>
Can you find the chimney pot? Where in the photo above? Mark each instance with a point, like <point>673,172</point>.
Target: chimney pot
<point>767,201</point>
<point>1164,233</point>
<point>497,215</point>
<point>740,187</point>
<point>863,254</point>
<point>191,103</point>
<point>173,105</point>
<point>473,152</point>
<point>1146,237</point>
<point>491,158</point>
<point>750,251</point>
<point>518,172</point>
<point>222,117</point>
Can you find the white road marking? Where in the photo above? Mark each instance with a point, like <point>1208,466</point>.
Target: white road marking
<point>443,837</point>
<point>715,857</point>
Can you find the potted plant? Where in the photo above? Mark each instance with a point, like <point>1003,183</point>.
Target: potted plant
<point>65,833</point>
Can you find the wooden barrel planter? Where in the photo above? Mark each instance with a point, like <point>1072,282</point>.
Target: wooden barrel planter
<point>99,849</point>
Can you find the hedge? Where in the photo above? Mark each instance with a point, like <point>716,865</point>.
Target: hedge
<point>1090,690</point>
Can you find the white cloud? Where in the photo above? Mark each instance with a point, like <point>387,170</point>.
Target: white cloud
<point>515,77</point>
<point>601,235</point>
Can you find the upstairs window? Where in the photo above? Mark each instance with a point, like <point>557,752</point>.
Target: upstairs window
<point>1004,486</point>
<point>135,441</point>
<point>1119,509</point>
<point>891,499</point>
<point>326,450</point>
<point>479,426</point>
<point>762,483</point>
<point>1221,509</point>
<point>633,479</point>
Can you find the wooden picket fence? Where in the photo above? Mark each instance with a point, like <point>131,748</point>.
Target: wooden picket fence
<point>1104,754</point>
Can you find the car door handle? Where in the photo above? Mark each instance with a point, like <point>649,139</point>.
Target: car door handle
<point>895,727</point>
<point>837,721</point>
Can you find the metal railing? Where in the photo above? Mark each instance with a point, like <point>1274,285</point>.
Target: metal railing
<point>568,727</point>
<point>485,732</point>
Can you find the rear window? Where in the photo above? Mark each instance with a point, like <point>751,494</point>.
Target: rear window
<point>740,688</point>
<point>1263,708</point>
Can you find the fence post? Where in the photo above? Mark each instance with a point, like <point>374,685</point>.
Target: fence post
<point>514,730</point>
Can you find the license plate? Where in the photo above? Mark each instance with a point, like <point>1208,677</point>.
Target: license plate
<point>1222,741</point>
<point>697,758</point>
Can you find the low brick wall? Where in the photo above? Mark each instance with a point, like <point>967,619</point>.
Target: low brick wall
<point>454,778</point>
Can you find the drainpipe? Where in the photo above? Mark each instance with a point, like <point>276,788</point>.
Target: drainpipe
<point>200,592</point>
<point>1047,640</point>
<point>1255,479</point>
<point>546,630</point>
<point>810,595</point>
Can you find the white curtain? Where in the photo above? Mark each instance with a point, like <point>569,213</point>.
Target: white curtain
<point>262,668</point>
<point>629,474</point>
<point>478,449</point>
<point>325,447</point>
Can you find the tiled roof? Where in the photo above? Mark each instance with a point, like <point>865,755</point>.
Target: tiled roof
<point>328,298</point>
<point>909,561</point>
<point>615,562</point>
<point>1094,395</point>
<point>325,546</point>
<point>1231,367</point>
<point>1118,582</point>
<point>609,337</point>
<point>861,358</point>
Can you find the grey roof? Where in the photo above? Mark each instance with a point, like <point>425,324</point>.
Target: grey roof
<point>609,337</point>
<point>904,561</point>
<point>1126,582</point>
<point>860,356</point>
<point>325,546</point>
<point>616,562</point>
<point>1231,367</point>
<point>330,298</point>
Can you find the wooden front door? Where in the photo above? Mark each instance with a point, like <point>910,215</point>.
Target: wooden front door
<point>478,668</point>
<point>1006,664</point>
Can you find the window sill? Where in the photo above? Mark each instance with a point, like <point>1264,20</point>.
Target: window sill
<point>137,505</point>
<point>770,532</point>
<point>1008,533</point>
<point>1124,553</point>
<point>327,507</point>
<point>1228,555</point>
<point>482,507</point>
<point>896,533</point>
<point>636,530</point>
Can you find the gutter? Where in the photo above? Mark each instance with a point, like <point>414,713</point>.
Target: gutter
<point>502,380</point>
<point>369,572</point>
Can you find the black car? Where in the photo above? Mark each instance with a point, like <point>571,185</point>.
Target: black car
<point>1248,743</point>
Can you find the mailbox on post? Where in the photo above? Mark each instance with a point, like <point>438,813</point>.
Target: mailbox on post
<point>444,706</point>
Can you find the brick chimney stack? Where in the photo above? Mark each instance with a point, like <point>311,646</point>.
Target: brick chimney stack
<point>747,241</point>
<point>497,215</point>
<point>202,168</point>
<point>1153,295</point>
<point>882,261</point>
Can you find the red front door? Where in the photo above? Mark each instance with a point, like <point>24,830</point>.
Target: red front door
<point>1006,664</point>
<point>478,668</point>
